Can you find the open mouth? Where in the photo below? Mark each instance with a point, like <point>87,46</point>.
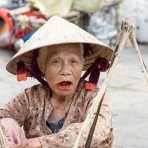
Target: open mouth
<point>64,85</point>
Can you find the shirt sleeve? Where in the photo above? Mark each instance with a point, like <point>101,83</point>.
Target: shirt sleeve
<point>66,138</point>
<point>17,108</point>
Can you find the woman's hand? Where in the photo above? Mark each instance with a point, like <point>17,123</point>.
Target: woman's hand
<point>30,143</point>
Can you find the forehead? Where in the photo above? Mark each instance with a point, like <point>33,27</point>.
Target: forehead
<point>64,49</point>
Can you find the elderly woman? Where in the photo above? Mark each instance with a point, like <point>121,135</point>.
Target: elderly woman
<point>52,113</point>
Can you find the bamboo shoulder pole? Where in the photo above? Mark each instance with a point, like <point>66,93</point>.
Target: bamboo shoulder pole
<point>141,60</point>
<point>87,124</point>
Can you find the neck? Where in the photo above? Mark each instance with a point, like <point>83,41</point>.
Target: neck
<point>60,100</point>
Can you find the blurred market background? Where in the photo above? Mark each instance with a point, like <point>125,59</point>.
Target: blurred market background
<point>19,19</point>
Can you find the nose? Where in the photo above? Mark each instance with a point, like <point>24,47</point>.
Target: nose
<point>66,69</point>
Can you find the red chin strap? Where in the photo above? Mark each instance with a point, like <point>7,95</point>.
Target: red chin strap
<point>21,71</point>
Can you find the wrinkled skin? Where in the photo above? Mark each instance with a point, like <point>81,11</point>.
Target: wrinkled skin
<point>64,64</point>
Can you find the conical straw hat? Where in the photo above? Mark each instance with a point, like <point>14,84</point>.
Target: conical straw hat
<point>59,31</point>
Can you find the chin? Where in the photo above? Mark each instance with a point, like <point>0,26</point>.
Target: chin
<point>65,93</point>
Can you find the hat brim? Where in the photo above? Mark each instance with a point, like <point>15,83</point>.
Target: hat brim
<point>96,51</point>
<point>57,31</point>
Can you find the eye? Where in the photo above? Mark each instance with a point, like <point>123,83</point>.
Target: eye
<point>54,61</point>
<point>74,61</point>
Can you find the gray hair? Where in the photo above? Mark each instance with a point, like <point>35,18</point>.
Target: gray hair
<point>82,51</point>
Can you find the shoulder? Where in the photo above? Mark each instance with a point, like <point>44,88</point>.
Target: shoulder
<point>36,89</point>
<point>35,93</point>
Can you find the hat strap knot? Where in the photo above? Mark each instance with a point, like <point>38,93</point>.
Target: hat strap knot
<point>99,65</point>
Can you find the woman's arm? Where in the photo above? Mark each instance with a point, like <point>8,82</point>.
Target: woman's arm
<point>66,137</point>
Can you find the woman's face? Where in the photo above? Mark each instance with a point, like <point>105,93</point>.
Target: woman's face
<point>63,68</point>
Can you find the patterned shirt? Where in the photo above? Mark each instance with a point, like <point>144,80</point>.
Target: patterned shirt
<point>32,108</point>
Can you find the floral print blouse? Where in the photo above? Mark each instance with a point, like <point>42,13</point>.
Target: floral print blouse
<point>32,108</point>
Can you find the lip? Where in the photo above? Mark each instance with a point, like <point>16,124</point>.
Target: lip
<point>64,85</point>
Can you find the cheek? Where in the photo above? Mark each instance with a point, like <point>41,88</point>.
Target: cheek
<point>51,74</point>
<point>77,72</point>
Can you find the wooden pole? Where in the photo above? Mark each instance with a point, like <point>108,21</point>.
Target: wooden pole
<point>135,45</point>
<point>90,121</point>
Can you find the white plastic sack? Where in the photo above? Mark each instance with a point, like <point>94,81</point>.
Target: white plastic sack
<point>102,25</point>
